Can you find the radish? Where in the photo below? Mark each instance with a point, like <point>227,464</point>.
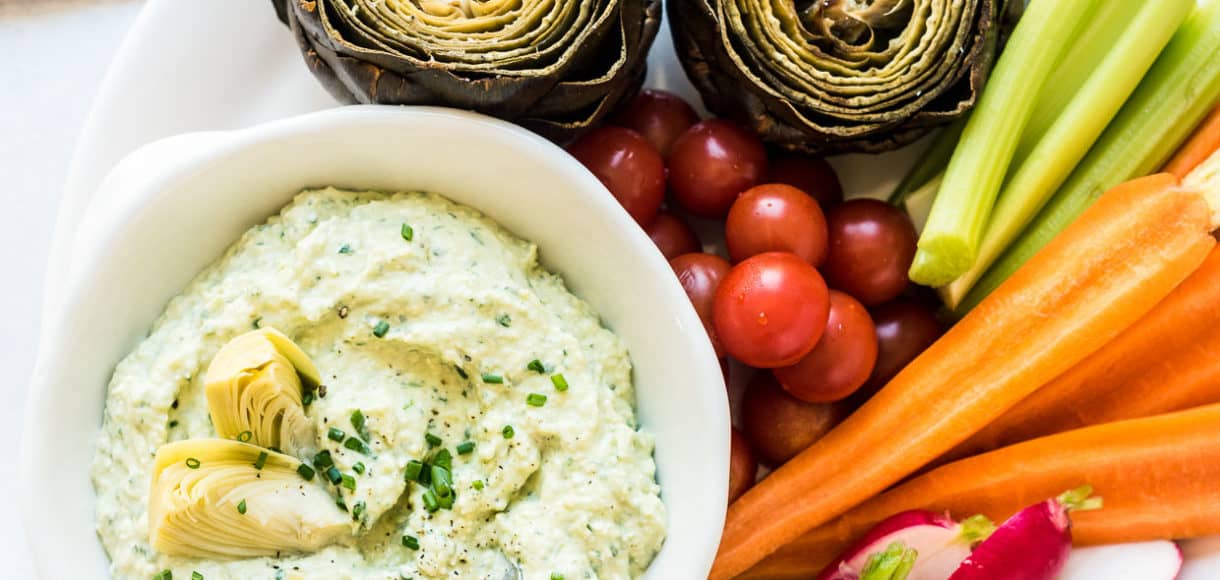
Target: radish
<point>921,544</point>
<point>1160,560</point>
<point>1033,544</point>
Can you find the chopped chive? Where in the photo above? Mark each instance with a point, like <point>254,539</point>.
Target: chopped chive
<point>504,320</point>
<point>173,423</point>
<point>556,576</point>
<point>360,425</point>
<point>443,458</point>
<point>561,384</point>
<point>261,461</point>
<point>536,366</point>
<point>432,440</point>
<point>408,233</point>
<point>430,502</point>
<point>461,372</point>
<point>192,463</point>
<point>425,475</point>
<point>339,502</point>
<point>446,502</point>
<point>358,468</point>
<point>322,460</point>
<point>241,507</point>
<point>465,447</point>
<point>357,445</point>
<point>442,481</point>
<point>478,484</point>
<point>413,470</point>
<point>196,575</point>
<point>335,434</point>
<point>349,482</point>
<point>357,510</point>
<point>493,379</point>
<point>166,574</point>
<point>307,399</point>
<point>410,542</point>
<point>535,399</point>
<point>381,328</point>
<point>245,436</point>
<point>345,249</point>
<point>508,431</point>
<point>332,473</point>
<point>306,472</point>
<point>258,323</point>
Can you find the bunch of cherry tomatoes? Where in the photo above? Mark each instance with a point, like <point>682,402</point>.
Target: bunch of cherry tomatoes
<point>814,291</point>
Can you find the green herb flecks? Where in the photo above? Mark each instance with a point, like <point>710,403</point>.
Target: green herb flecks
<point>241,507</point>
<point>535,399</point>
<point>381,329</point>
<point>408,233</point>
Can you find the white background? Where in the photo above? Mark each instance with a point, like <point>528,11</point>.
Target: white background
<point>53,54</point>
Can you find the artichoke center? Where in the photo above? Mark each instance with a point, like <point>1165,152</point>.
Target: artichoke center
<point>858,23</point>
<point>464,8</point>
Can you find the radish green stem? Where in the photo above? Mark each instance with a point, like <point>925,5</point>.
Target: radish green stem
<point>950,240</point>
<point>1144,29</point>
<point>1178,91</point>
<point>976,528</point>
<point>1079,499</point>
<point>895,563</point>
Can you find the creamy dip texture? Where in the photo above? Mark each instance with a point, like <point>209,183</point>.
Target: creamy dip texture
<point>442,329</point>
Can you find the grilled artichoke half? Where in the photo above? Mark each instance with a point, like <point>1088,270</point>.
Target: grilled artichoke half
<point>254,388</point>
<point>554,66</point>
<point>827,76</point>
<point>217,498</point>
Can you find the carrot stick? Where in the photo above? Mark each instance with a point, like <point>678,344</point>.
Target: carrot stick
<point>1167,361</point>
<point>1155,476</point>
<point>1200,146</point>
<point>1111,266</point>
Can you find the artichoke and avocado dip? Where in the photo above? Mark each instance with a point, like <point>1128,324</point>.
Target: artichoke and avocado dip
<point>376,386</point>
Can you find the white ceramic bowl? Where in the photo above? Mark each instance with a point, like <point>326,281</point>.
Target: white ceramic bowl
<point>170,208</point>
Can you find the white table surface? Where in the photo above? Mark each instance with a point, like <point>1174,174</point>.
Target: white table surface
<point>55,53</point>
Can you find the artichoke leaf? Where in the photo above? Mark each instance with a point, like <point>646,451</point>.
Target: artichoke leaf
<point>209,499</point>
<point>254,389</point>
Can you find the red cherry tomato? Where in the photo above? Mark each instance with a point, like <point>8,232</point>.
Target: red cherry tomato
<point>743,466</point>
<point>871,248</point>
<point>770,310</point>
<point>905,328</point>
<point>659,116</point>
<point>776,218</point>
<point>712,163</point>
<point>700,275</point>
<point>812,175</point>
<point>842,360</point>
<point>779,425</point>
<point>673,236</point>
<point>627,165</point>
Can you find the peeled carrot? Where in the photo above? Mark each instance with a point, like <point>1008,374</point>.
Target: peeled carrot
<point>1155,477</point>
<point>1200,146</point>
<point>1110,267</point>
<point>1168,360</point>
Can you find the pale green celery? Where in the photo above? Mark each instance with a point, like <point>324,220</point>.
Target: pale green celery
<point>950,240</point>
<point>933,162</point>
<point>918,203</point>
<point>1175,95</point>
<point>1144,29</point>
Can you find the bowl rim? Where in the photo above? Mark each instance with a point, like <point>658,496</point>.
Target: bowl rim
<point>105,215</point>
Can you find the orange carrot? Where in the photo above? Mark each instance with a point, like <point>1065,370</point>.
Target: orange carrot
<point>1167,361</point>
<point>1106,270</point>
<point>1155,477</point>
<point>1200,146</point>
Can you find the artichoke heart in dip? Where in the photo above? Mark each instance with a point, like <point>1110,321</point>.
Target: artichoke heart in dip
<point>376,385</point>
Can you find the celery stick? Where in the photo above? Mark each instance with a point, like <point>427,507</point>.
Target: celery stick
<point>1178,91</point>
<point>950,240</point>
<point>1145,30</point>
<point>933,162</point>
